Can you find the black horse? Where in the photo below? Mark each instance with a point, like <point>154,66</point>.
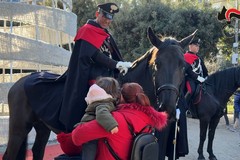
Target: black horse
<point>216,92</point>
<point>160,71</point>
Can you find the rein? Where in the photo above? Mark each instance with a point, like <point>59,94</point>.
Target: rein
<point>213,97</point>
<point>210,95</point>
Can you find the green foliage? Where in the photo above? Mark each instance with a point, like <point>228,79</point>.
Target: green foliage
<point>131,26</point>
<point>84,9</point>
<point>230,105</point>
<point>167,19</point>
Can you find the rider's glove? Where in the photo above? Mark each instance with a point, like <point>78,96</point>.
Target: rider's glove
<point>123,66</point>
<point>200,79</point>
<point>178,113</point>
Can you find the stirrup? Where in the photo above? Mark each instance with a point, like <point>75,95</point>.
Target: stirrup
<point>188,114</point>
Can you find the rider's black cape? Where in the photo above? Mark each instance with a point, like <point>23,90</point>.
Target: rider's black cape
<point>63,97</point>
<point>182,137</point>
<point>45,91</point>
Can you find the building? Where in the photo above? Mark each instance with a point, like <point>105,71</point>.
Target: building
<point>35,35</point>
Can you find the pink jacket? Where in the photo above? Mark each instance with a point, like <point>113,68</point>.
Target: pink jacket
<point>138,116</point>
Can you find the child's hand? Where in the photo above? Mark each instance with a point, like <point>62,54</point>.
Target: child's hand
<point>114,130</point>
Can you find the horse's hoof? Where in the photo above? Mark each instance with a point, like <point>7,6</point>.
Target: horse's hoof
<point>213,158</point>
<point>201,158</point>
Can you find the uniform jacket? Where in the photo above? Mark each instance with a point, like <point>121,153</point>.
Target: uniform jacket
<point>195,66</point>
<point>95,54</point>
<point>138,116</point>
<point>101,111</point>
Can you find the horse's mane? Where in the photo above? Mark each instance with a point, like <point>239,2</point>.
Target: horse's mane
<point>152,52</point>
<point>225,78</point>
<point>148,58</point>
<point>144,56</point>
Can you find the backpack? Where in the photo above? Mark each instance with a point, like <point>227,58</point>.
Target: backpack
<point>66,157</point>
<point>145,146</point>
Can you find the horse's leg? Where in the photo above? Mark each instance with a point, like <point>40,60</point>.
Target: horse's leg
<point>17,143</point>
<point>162,141</point>
<point>41,139</point>
<point>212,128</point>
<point>20,122</point>
<point>203,132</point>
<point>22,151</point>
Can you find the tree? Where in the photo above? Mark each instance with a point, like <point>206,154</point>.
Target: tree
<point>84,9</point>
<point>171,19</point>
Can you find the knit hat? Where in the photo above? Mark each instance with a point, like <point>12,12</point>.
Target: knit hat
<point>96,93</point>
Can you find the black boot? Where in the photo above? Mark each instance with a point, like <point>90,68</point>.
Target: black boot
<point>188,96</point>
<point>189,114</point>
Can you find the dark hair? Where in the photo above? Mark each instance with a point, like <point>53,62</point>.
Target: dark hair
<point>133,93</point>
<point>110,85</point>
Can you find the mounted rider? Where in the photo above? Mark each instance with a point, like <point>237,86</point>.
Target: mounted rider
<point>95,54</point>
<point>196,71</point>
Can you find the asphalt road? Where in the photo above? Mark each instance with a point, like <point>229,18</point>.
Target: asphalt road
<point>226,145</point>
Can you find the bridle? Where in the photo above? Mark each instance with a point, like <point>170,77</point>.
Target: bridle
<point>168,87</point>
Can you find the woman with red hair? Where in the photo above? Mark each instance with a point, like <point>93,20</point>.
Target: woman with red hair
<point>134,109</point>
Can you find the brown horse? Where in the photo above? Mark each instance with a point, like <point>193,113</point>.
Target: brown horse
<point>160,71</point>
<point>217,90</point>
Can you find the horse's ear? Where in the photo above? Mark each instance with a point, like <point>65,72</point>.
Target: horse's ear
<point>153,38</point>
<point>185,41</point>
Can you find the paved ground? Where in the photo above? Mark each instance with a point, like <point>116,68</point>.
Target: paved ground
<point>4,134</point>
<point>51,151</point>
<point>226,143</point>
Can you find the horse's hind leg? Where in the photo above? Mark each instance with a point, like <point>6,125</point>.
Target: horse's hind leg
<point>203,132</point>
<point>22,151</point>
<point>20,155</point>
<point>20,122</point>
<point>212,128</point>
<point>17,137</point>
<point>17,144</point>
<point>41,139</point>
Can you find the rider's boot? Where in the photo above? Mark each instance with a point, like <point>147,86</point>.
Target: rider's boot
<point>188,96</point>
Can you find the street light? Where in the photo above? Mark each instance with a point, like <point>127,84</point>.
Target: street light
<point>235,44</point>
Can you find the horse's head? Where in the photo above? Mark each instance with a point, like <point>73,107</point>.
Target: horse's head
<point>168,70</point>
